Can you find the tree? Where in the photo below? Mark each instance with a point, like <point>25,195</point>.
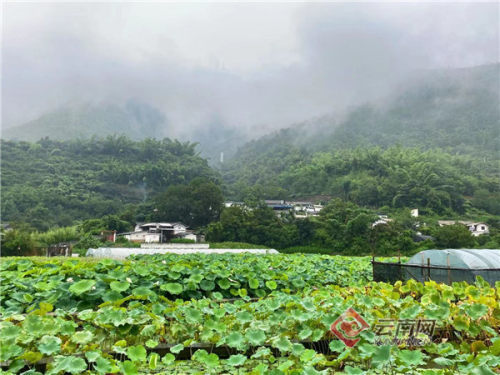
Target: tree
<point>196,204</point>
<point>16,243</point>
<point>454,236</point>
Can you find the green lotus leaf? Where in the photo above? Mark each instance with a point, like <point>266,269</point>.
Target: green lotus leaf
<point>70,364</point>
<point>81,286</point>
<point>271,284</point>
<point>244,316</point>
<point>273,304</point>
<point>262,352</point>
<point>224,284</point>
<point>235,340</point>
<point>283,344</point>
<point>9,331</point>
<point>92,355</point>
<point>255,337</point>
<point>128,368</point>
<point>9,351</point>
<point>299,315</point>
<point>16,365</point>
<point>336,346</point>
<point>172,288</point>
<point>367,350</point>
<point>297,349</point>
<point>34,325</point>
<point>285,365</point>
<point>207,285</point>
<point>242,292</point>
<point>476,310</point>
<point>169,357</point>
<point>119,286</point>
<point>305,333</point>
<point>411,358</point>
<point>236,360</point>
<point>136,353</point>
<point>307,355</point>
<point>460,323</point>
<point>103,366</point>
<point>142,291</point>
<point>153,361</point>
<point>49,345</point>
<point>317,334</point>
<point>151,344</point>
<point>211,360</point>
<point>352,370</point>
<point>299,283</point>
<point>253,283</point>
<point>217,296</point>
<point>177,348</point>
<point>194,316</point>
<point>148,330</point>
<point>82,337</point>
<point>86,314</point>
<point>382,354</point>
<point>444,362</point>
<point>410,312</point>
<point>31,357</point>
<point>196,278</point>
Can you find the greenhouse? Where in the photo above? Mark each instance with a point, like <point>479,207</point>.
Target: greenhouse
<point>443,266</point>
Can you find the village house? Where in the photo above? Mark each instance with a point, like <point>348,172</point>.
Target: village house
<point>476,229</point>
<point>158,232</point>
<point>382,219</point>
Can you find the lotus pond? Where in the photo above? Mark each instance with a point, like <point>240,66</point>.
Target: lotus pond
<point>233,314</point>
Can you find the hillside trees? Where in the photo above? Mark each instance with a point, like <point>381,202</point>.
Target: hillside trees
<point>55,183</point>
<point>195,204</point>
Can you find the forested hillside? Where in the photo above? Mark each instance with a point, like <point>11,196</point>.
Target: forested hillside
<point>51,183</point>
<point>434,145</point>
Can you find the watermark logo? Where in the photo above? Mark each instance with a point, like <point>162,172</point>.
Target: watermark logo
<point>412,332</point>
<point>348,326</point>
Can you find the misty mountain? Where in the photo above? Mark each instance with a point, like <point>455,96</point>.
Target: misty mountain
<point>135,119</point>
<point>454,109</point>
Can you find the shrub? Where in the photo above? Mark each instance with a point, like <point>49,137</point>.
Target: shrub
<point>182,240</point>
<point>307,250</point>
<point>235,245</point>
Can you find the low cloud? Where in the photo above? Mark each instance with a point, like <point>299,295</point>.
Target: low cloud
<point>255,66</point>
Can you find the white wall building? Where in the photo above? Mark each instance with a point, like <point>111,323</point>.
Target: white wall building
<point>158,232</point>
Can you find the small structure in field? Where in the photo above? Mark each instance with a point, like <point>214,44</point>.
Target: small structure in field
<point>158,233</point>
<point>443,266</point>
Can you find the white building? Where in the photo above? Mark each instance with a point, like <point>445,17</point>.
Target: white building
<point>158,232</point>
<point>476,228</point>
<point>382,219</point>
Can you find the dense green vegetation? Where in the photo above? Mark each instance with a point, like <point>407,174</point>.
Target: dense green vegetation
<point>53,318</point>
<point>51,183</point>
<point>433,145</point>
<point>34,280</point>
<point>432,181</point>
<point>342,227</point>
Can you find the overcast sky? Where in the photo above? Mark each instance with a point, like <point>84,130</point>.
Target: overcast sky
<point>249,64</point>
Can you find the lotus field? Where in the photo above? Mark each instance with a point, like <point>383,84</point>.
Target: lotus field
<point>239,314</point>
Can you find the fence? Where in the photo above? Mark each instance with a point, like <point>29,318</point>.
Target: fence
<point>392,272</point>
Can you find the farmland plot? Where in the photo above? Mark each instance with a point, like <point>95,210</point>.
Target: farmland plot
<point>236,314</point>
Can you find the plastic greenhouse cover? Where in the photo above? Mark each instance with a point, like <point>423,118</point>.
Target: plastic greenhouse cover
<point>459,258</point>
<point>123,252</point>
